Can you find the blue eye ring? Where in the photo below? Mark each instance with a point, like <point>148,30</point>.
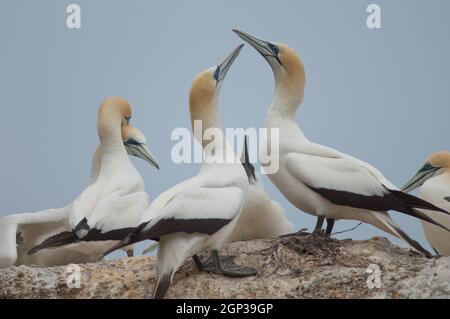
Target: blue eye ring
<point>132,141</point>
<point>274,48</point>
<point>216,73</point>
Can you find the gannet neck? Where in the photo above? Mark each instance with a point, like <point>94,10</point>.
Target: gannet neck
<point>289,89</point>
<point>203,98</point>
<point>95,165</point>
<point>112,114</point>
<point>289,83</point>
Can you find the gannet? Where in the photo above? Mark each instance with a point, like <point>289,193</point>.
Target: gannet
<point>261,217</point>
<point>317,179</point>
<point>112,206</point>
<point>201,212</point>
<point>22,231</point>
<point>434,180</point>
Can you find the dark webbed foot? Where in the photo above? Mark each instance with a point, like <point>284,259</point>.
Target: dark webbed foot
<point>224,265</point>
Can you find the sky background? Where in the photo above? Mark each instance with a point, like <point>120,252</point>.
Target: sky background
<point>380,95</point>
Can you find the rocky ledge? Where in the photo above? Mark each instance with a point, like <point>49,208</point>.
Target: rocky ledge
<point>293,266</point>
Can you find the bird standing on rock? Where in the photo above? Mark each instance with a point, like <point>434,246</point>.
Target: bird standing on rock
<point>320,180</point>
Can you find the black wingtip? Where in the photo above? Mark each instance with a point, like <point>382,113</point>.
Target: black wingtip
<point>61,239</point>
<point>412,242</point>
<point>416,202</point>
<point>447,198</point>
<point>162,285</point>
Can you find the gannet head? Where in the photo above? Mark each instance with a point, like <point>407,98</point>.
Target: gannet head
<point>206,86</point>
<point>113,113</point>
<point>136,144</point>
<point>287,66</point>
<point>435,165</point>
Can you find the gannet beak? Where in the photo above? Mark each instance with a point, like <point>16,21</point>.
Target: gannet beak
<point>222,68</point>
<point>425,173</point>
<point>265,48</point>
<point>245,160</point>
<point>140,150</point>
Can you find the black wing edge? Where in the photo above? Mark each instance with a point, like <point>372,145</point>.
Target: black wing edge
<point>392,200</point>
<point>61,239</point>
<point>168,226</point>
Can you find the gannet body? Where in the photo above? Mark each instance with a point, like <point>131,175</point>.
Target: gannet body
<point>434,182</point>
<point>320,180</point>
<point>261,217</point>
<point>22,231</point>
<point>112,206</point>
<point>201,212</point>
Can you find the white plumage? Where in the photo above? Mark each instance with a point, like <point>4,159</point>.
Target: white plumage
<point>434,182</point>
<point>201,212</point>
<point>112,205</point>
<point>261,217</point>
<point>21,232</point>
<point>317,179</point>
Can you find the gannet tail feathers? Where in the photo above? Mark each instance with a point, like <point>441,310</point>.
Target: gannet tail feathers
<point>413,204</point>
<point>61,239</point>
<point>394,229</point>
<point>162,285</point>
<point>416,202</point>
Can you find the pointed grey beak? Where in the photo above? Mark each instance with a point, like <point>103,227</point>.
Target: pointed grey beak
<point>224,66</point>
<point>421,177</point>
<point>265,48</point>
<point>141,150</point>
<point>245,160</point>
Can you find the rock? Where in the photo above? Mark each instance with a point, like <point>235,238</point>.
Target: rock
<point>293,266</point>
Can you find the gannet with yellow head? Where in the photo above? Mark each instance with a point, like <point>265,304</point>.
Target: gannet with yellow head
<point>112,206</point>
<point>434,182</point>
<point>317,179</point>
<point>22,231</point>
<point>201,212</point>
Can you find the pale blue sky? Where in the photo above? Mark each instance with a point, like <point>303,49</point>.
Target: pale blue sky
<point>380,95</point>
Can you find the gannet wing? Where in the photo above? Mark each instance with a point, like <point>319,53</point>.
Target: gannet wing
<point>27,223</point>
<point>201,210</point>
<point>344,181</point>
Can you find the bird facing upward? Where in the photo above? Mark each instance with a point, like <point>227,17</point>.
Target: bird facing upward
<point>317,179</point>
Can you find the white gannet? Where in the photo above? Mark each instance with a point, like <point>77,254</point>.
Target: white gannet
<point>22,231</point>
<point>201,212</point>
<point>434,179</point>
<point>261,217</point>
<point>317,179</point>
<point>112,206</point>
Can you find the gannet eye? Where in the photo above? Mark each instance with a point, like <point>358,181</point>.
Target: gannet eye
<point>216,73</point>
<point>427,167</point>
<point>274,48</point>
<point>132,141</point>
